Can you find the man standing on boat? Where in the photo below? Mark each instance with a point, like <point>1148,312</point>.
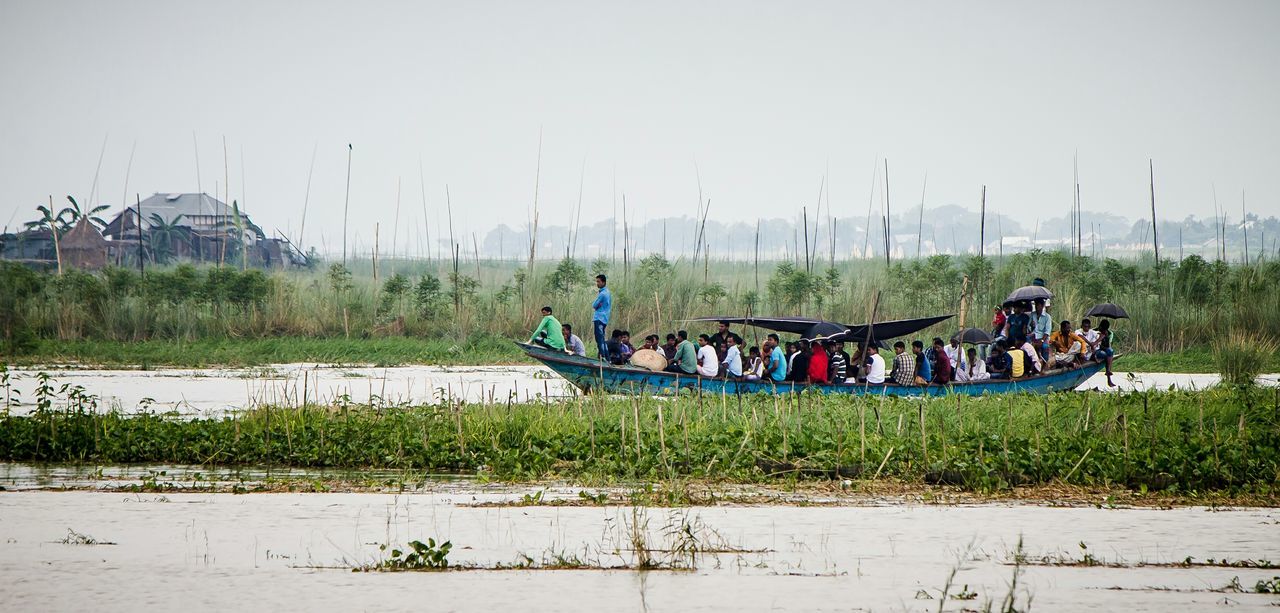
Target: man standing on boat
<point>603,306</point>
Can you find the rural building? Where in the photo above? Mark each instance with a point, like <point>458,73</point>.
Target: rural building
<point>84,246</point>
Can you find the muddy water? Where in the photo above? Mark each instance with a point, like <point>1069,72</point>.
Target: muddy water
<point>217,390</point>
<point>294,551</point>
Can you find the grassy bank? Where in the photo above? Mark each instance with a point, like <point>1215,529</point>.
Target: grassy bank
<point>397,351</point>
<point>1220,441</point>
<point>380,351</point>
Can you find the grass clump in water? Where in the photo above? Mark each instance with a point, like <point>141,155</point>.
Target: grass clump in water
<point>1242,356</point>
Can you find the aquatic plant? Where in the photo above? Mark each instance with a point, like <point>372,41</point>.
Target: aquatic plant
<point>418,556</point>
<point>1242,356</point>
<point>1184,443</point>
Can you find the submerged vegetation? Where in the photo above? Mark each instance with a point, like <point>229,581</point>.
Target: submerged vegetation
<point>190,314</point>
<point>1222,440</point>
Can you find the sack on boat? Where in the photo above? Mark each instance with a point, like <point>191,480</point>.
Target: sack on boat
<point>649,360</point>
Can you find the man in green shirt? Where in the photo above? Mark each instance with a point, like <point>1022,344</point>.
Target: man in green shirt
<point>686,360</point>
<point>548,333</point>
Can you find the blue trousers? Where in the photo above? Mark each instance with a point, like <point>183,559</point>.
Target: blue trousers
<point>601,345</point>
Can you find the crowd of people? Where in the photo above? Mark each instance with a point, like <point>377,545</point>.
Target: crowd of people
<point>1026,343</point>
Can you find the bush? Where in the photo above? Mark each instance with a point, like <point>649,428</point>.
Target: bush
<point>1242,356</point>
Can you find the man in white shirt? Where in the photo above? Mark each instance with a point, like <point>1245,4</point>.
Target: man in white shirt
<point>732,358</point>
<point>572,343</point>
<point>875,372</point>
<point>708,365</point>
<point>955,354</point>
<point>1090,336</point>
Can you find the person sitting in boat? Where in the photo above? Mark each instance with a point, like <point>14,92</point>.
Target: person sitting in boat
<point>875,366</point>
<point>548,334</point>
<point>800,362</point>
<point>1018,360</point>
<point>755,365</point>
<point>972,369</point>
<point>686,358</point>
<point>819,362</point>
<point>1032,356</point>
<point>1000,364</point>
<point>1068,347</point>
<point>669,348</point>
<point>839,364</point>
<point>941,363</point>
<point>997,322</point>
<point>924,370</point>
<point>955,353</point>
<point>708,365</point>
<point>1090,337</point>
<point>1105,353</point>
<point>792,350</point>
<point>619,346</point>
<point>1018,325</point>
<point>723,334</point>
<point>732,362</point>
<point>572,343</point>
<point>651,343</point>
<point>904,365</point>
<point>776,368</point>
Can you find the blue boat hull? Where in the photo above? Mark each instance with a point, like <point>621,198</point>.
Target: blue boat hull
<point>592,375</point>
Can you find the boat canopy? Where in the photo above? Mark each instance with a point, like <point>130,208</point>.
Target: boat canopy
<point>810,328</point>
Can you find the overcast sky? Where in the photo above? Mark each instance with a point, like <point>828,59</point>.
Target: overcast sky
<point>765,98</point>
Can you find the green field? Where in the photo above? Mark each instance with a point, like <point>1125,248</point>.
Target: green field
<point>1221,441</point>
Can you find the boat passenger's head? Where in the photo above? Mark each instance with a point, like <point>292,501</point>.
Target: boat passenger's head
<point>703,340</point>
<point>1085,324</point>
<point>600,280</point>
<point>917,346</point>
<point>898,347</point>
<point>546,310</point>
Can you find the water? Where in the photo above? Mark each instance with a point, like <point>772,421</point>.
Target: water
<point>295,551</point>
<point>214,391</point>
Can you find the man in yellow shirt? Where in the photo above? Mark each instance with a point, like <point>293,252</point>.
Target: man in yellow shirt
<point>1066,346</point>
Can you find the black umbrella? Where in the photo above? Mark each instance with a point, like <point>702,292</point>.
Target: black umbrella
<point>1107,309</point>
<point>973,336</point>
<point>826,330</point>
<point>1029,292</point>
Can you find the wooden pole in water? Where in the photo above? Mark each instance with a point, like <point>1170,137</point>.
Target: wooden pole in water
<point>982,224</point>
<point>757,261</point>
<point>920,222</point>
<point>888,229</point>
<point>375,255</point>
<point>1155,240</point>
<point>395,224</point>
<point>866,237</point>
<point>346,205</point>
<point>805,212</point>
<point>1244,226</point>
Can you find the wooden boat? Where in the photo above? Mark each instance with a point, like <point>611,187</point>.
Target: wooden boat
<point>589,374</point>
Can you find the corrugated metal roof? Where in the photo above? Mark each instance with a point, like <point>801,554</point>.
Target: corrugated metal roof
<point>169,206</point>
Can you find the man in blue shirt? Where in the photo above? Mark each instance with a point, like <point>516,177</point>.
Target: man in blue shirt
<point>603,306</point>
<point>777,366</point>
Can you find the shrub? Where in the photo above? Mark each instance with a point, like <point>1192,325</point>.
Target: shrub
<point>1242,356</point>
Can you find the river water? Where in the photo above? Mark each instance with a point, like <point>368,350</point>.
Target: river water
<point>213,391</point>
<point>199,551</point>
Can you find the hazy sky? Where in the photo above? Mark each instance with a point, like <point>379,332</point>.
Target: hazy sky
<point>764,97</point>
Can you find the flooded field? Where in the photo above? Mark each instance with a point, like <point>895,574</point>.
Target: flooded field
<point>213,391</point>
<point>129,551</point>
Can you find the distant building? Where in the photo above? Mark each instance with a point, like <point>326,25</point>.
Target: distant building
<point>84,247</point>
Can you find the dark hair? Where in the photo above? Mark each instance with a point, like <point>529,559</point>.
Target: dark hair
<point>732,339</point>
<point>1086,322</point>
<point>754,349</point>
<point>616,333</point>
<point>897,345</point>
<point>651,337</point>
<point>1002,344</point>
<point>791,344</point>
<point>567,327</point>
<point>773,336</point>
<point>872,347</point>
<point>937,341</point>
<point>917,344</point>
<point>971,350</point>
<point>684,335</point>
<point>1105,324</point>
<point>626,333</point>
<point>1066,323</point>
<point>601,277</point>
<point>547,309</point>
<point>723,322</point>
<point>704,337</point>
<point>804,342</point>
<point>670,336</point>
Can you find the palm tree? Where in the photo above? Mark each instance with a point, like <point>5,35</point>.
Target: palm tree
<point>162,235</point>
<point>74,213</point>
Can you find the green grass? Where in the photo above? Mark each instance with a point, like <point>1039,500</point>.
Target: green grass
<point>1225,440</point>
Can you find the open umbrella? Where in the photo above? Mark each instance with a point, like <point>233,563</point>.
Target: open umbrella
<point>1029,292</point>
<point>826,330</point>
<point>973,336</point>
<point>1107,309</point>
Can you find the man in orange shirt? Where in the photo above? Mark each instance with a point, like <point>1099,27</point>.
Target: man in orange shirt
<point>1067,346</point>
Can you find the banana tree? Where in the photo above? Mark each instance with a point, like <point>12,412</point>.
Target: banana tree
<point>162,237</point>
<point>55,224</point>
<point>75,212</point>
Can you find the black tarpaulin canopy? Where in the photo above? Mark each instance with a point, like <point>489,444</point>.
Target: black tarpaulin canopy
<point>807,327</point>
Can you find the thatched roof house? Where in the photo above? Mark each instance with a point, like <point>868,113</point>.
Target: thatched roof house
<point>83,246</point>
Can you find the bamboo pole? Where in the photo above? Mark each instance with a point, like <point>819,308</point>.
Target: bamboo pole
<point>920,221</point>
<point>1155,240</point>
<point>346,205</point>
<point>982,224</point>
